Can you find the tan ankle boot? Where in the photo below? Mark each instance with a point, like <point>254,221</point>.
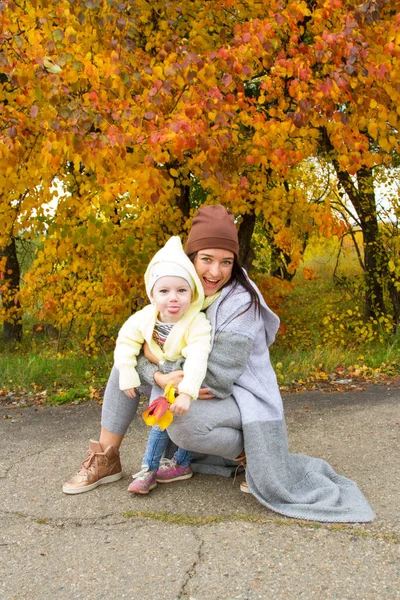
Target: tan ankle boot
<point>99,467</point>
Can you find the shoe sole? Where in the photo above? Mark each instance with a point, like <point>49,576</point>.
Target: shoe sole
<point>143,493</point>
<point>92,486</point>
<point>245,488</point>
<point>180,478</point>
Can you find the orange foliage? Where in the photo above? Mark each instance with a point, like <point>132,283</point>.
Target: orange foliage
<point>274,290</point>
<point>126,104</point>
<point>309,274</point>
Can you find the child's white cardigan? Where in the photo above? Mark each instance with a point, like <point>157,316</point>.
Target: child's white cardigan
<point>189,338</point>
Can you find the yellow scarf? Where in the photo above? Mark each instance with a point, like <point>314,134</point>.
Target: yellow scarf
<point>208,300</point>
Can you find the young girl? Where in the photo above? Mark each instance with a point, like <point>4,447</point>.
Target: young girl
<point>173,327</point>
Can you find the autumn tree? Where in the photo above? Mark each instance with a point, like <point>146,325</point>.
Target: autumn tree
<point>136,102</point>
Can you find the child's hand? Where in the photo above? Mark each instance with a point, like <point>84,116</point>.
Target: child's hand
<point>130,393</point>
<point>181,404</point>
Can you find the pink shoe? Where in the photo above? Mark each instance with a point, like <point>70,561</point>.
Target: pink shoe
<point>143,482</point>
<point>170,471</point>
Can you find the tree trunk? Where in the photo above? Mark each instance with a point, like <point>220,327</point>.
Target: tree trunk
<point>279,259</point>
<point>279,263</point>
<point>246,254</point>
<point>363,199</point>
<point>375,262</point>
<point>183,200</point>
<point>373,249</point>
<point>12,328</point>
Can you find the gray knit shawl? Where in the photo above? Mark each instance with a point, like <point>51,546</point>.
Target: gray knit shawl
<point>291,484</point>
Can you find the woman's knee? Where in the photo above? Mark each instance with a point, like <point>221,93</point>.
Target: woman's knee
<point>207,426</point>
<point>118,410</point>
<point>182,431</point>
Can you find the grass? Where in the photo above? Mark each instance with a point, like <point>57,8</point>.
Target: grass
<point>55,378</point>
<point>322,339</point>
<point>180,519</point>
<point>74,377</point>
<point>324,333</point>
<point>305,349</point>
<point>307,366</point>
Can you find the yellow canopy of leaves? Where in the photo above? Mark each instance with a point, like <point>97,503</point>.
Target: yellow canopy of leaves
<point>125,105</point>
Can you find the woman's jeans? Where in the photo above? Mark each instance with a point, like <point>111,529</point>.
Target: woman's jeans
<point>156,446</point>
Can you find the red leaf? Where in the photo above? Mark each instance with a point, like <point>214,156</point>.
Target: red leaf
<point>226,79</point>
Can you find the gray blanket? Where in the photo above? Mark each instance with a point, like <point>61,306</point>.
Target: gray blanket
<point>290,484</point>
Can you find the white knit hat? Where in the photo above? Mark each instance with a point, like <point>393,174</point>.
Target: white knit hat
<point>169,269</point>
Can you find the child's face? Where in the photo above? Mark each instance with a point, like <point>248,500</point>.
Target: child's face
<point>172,297</point>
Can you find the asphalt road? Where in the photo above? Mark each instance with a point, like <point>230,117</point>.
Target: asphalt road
<point>201,539</point>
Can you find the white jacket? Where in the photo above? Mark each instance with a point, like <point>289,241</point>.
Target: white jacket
<point>189,338</point>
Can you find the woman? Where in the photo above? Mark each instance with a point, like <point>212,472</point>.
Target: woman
<point>247,412</point>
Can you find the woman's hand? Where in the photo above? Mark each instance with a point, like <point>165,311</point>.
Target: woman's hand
<point>162,379</point>
<point>204,394</point>
<point>149,355</point>
<point>130,393</point>
<point>181,404</point>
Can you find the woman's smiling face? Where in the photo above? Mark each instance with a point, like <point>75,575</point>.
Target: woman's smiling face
<point>214,268</point>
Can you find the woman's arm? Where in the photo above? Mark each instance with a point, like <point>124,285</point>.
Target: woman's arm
<point>168,372</point>
<point>146,370</point>
<point>231,350</point>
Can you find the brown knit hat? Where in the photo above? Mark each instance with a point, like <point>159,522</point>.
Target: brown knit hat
<point>213,227</point>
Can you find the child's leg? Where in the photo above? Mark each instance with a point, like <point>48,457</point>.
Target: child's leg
<point>177,469</point>
<point>146,480</point>
<point>156,446</point>
<point>183,457</point>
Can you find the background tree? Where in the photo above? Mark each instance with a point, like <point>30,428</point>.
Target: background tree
<point>147,101</point>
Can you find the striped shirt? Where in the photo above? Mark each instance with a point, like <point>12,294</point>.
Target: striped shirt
<point>160,332</point>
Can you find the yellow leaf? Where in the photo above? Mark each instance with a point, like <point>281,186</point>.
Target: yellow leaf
<point>50,65</point>
<point>166,420</point>
<point>373,129</point>
<point>169,393</point>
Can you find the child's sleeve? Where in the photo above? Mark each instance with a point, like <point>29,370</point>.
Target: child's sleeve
<point>196,353</point>
<point>129,343</point>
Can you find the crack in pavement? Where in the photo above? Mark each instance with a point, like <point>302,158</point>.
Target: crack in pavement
<point>352,529</point>
<point>191,572</point>
<point>59,523</point>
<point>20,460</point>
<point>389,537</point>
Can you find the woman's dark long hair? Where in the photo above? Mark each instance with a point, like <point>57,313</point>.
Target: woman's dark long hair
<point>239,277</point>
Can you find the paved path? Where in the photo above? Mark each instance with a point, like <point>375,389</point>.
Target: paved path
<point>202,539</point>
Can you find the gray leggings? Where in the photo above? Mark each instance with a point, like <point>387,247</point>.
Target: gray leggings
<point>209,427</point>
